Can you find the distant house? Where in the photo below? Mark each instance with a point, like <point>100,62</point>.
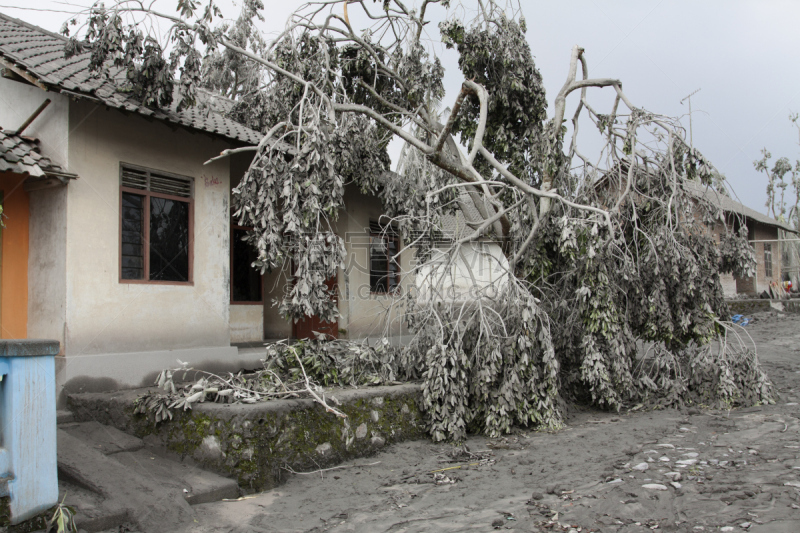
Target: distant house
<point>769,238</point>
<point>119,241</point>
<point>774,242</point>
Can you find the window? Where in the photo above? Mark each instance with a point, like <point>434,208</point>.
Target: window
<point>245,280</point>
<point>768,260</point>
<point>384,262</point>
<point>155,226</point>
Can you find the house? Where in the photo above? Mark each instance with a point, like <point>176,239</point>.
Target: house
<point>769,238</point>
<point>119,241</point>
<point>774,242</point>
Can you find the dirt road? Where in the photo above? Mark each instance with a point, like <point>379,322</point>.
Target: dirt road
<point>669,470</point>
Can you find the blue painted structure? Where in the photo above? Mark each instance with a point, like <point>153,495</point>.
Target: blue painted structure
<point>28,455</point>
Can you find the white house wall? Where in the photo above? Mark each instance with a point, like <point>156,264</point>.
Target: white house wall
<point>246,323</point>
<point>18,101</point>
<point>112,319</point>
<point>47,256</point>
<point>472,270</point>
<point>366,315</point>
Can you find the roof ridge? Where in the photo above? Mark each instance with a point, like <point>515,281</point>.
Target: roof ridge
<point>730,204</point>
<point>33,27</point>
<point>33,53</point>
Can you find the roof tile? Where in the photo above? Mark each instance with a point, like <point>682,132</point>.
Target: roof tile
<point>728,204</point>
<point>41,53</point>
<point>22,156</point>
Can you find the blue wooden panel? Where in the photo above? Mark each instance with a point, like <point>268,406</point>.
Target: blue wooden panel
<point>5,463</point>
<point>28,414</point>
<point>3,366</point>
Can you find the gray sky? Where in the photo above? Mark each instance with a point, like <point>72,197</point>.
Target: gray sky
<point>741,54</point>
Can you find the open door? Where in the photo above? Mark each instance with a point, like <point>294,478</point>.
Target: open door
<point>13,257</point>
<point>305,328</point>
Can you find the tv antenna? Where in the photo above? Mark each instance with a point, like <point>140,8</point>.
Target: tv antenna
<point>689,97</point>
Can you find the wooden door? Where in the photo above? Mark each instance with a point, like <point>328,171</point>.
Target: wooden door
<point>305,328</point>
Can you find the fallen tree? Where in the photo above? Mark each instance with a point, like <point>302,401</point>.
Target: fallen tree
<point>610,290</point>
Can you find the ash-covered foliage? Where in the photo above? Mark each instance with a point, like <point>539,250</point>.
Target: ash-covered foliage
<point>497,56</point>
<point>607,284</point>
<point>487,365</point>
<point>297,370</point>
<point>638,311</point>
<point>230,73</point>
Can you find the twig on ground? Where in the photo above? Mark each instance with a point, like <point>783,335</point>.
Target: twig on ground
<point>321,470</point>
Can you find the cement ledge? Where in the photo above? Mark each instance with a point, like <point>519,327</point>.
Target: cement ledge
<point>756,305</point>
<point>28,347</point>
<point>114,371</point>
<point>258,443</point>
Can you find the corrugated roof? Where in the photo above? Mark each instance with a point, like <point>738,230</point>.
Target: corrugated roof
<point>21,155</point>
<point>40,53</point>
<point>729,205</point>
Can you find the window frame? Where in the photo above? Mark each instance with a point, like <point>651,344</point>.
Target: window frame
<point>260,276</point>
<point>768,272</point>
<point>387,233</point>
<point>147,194</point>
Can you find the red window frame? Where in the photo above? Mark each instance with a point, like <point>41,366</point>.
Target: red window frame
<point>146,226</point>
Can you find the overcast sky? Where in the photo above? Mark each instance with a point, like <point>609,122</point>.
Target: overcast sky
<point>742,55</point>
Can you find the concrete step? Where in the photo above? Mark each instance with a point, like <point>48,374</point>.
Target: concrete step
<point>106,439</point>
<point>197,486</point>
<point>92,513</point>
<point>141,498</point>
<point>110,479</point>
<point>64,417</point>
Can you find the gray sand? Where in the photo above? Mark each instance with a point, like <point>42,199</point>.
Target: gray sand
<point>738,470</point>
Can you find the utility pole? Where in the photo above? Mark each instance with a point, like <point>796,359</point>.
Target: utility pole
<point>689,97</point>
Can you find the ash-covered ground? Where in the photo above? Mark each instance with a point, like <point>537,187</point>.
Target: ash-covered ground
<point>667,470</point>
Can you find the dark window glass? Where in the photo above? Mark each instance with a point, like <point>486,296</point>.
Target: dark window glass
<point>378,265</point>
<point>169,240</point>
<point>384,267</point>
<point>155,223</point>
<point>132,236</point>
<point>245,280</point>
<point>394,265</point>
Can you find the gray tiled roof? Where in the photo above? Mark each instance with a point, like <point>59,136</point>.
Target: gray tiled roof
<point>21,155</point>
<point>729,205</point>
<point>41,54</point>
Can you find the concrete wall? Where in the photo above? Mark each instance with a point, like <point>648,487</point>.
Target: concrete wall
<point>246,323</point>
<point>104,314</point>
<point>254,443</point>
<point>761,232</point>
<point>19,100</point>
<point>121,334</point>
<point>365,314</point>
<point>47,280</point>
